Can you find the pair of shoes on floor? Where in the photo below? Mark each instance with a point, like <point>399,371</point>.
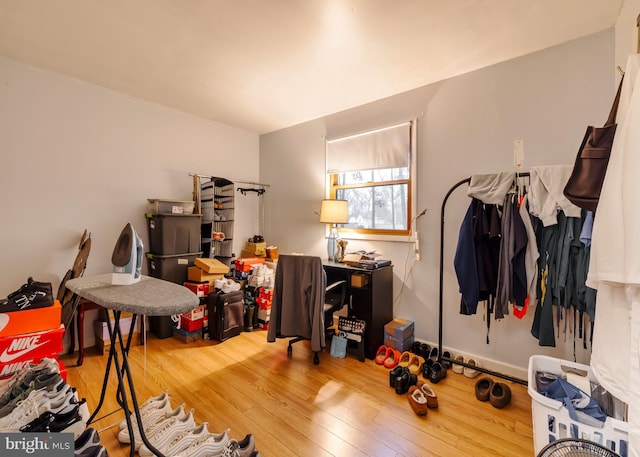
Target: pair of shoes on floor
<point>88,445</point>
<point>496,393</point>
<point>212,446</point>
<point>421,398</point>
<point>421,349</point>
<point>434,371</point>
<point>470,371</point>
<point>412,362</point>
<point>387,356</point>
<point>155,422</point>
<point>401,379</point>
<point>153,406</point>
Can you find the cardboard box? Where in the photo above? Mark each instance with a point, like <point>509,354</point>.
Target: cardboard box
<point>103,346</point>
<point>186,336</point>
<point>102,331</point>
<point>196,313</point>
<point>259,249</point>
<point>191,325</point>
<point>359,279</point>
<point>197,274</point>
<point>272,252</point>
<point>30,320</point>
<point>30,346</point>
<point>398,344</point>
<point>246,263</point>
<point>200,288</point>
<point>211,266</point>
<point>264,315</point>
<point>400,329</point>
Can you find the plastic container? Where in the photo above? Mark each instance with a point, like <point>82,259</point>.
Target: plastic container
<point>173,234</point>
<point>164,206</point>
<point>172,268</point>
<point>551,420</point>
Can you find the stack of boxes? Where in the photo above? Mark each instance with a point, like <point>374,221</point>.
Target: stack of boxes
<point>265,297</point>
<point>174,244</point>
<point>28,336</point>
<point>201,280</point>
<point>398,334</point>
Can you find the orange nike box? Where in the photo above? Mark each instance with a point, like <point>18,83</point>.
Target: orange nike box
<point>7,369</point>
<point>30,320</point>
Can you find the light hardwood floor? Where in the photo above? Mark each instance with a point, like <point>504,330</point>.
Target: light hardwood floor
<point>341,407</point>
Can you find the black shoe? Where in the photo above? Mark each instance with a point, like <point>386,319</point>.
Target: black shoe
<point>95,451</point>
<point>393,374</point>
<point>50,422</point>
<point>31,295</point>
<point>438,372</point>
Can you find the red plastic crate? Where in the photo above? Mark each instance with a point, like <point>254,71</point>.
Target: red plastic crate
<point>190,325</point>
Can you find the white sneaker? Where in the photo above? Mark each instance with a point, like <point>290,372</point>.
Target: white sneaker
<point>184,440</point>
<point>164,435</point>
<point>149,426</point>
<point>242,448</point>
<point>230,286</point>
<point>157,402</point>
<point>218,283</point>
<point>212,444</point>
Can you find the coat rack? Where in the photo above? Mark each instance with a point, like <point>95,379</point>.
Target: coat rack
<point>441,296</point>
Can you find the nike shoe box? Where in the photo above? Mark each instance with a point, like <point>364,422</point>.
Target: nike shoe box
<point>30,320</point>
<point>17,351</point>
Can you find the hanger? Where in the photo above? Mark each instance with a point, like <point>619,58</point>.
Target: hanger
<point>244,190</point>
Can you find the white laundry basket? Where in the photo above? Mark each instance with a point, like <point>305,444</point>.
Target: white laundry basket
<point>551,420</point>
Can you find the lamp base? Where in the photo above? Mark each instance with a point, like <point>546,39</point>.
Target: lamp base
<point>333,253</point>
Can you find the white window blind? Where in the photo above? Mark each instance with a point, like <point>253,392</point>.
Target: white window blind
<point>384,148</point>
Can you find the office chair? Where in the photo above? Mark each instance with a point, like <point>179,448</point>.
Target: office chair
<point>302,303</point>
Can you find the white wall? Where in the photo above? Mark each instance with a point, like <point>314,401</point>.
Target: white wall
<point>466,125</point>
<point>76,156</point>
<point>627,31</point>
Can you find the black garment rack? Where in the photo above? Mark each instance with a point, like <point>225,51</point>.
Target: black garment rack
<point>441,297</point>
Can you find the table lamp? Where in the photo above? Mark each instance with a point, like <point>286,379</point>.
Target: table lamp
<point>333,212</point>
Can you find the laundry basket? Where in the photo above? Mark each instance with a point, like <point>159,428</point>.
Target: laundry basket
<point>551,420</point>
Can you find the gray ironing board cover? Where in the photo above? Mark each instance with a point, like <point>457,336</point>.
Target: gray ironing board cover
<point>149,296</point>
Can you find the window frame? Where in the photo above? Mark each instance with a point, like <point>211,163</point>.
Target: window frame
<point>381,234</point>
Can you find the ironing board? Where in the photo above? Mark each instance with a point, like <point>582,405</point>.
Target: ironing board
<point>148,297</point>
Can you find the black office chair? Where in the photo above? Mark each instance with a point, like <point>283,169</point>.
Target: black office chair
<point>303,305</point>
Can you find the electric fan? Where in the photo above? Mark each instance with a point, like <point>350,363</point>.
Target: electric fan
<point>570,447</point>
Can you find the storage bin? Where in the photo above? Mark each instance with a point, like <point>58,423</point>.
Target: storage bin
<point>173,234</point>
<point>164,206</point>
<point>551,420</point>
<point>172,268</point>
<point>161,326</point>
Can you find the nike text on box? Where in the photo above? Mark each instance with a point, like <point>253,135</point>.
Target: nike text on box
<point>29,347</point>
<point>30,320</point>
<point>36,444</point>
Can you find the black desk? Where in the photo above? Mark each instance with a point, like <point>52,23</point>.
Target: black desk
<point>372,301</point>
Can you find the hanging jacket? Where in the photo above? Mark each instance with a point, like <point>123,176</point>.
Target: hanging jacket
<point>465,265</point>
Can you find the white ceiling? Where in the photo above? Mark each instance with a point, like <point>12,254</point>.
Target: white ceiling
<point>263,65</point>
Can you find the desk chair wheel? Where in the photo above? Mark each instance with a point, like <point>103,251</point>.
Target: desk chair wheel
<point>289,350</point>
<point>316,359</point>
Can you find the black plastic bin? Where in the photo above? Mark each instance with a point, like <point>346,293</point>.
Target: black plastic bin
<point>171,234</point>
<point>171,268</point>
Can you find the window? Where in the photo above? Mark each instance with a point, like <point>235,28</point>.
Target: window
<point>374,171</point>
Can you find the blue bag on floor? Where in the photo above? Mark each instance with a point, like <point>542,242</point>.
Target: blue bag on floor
<point>338,346</point>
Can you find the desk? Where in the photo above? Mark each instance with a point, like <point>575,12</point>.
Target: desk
<point>372,302</point>
<point>148,297</point>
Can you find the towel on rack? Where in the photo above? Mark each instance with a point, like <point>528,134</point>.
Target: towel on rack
<point>491,189</point>
<point>546,195</point>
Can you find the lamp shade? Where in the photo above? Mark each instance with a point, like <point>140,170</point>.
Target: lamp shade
<point>334,212</point>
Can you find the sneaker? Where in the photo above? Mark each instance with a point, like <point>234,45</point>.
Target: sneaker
<point>63,422</point>
<point>51,383</point>
<point>230,285</point>
<point>242,448</point>
<point>149,426</point>
<point>161,401</point>
<point>164,434</point>
<point>182,441</point>
<point>31,295</point>
<point>95,451</point>
<point>219,283</point>
<point>46,365</point>
<point>89,438</point>
<point>26,410</point>
<point>212,444</point>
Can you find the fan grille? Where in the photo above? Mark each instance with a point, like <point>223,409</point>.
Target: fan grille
<point>569,447</point>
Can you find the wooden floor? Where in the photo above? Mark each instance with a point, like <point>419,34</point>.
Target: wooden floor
<point>341,407</point>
